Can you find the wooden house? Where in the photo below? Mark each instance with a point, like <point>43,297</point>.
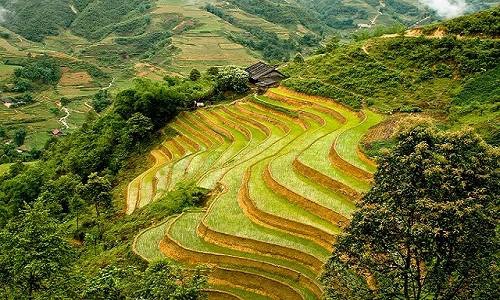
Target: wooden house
<point>264,75</point>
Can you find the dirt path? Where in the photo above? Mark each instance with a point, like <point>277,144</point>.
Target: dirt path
<point>110,85</point>
<point>64,120</point>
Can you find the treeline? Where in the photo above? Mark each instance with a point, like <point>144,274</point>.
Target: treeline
<point>93,19</point>
<point>34,74</point>
<point>36,19</point>
<point>100,18</point>
<point>283,13</point>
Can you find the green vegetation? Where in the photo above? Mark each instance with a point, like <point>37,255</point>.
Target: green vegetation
<point>484,24</point>
<point>409,74</point>
<point>416,218</point>
<point>140,174</point>
<point>39,18</point>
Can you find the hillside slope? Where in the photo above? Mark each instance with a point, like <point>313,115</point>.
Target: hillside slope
<point>431,70</point>
<point>285,172</point>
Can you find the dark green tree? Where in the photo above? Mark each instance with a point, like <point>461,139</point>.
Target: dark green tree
<point>194,75</point>
<point>101,101</point>
<point>427,228</point>
<point>57,194</point>
<point>97,192</point>
<point>34,256</point>
<point>20,136</point>
<point>139,127</point>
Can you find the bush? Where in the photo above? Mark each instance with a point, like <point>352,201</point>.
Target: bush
<point>232,78</point>
<point>194,75</point>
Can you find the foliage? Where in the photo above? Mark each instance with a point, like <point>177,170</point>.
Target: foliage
<point>159,281</point>
<point>450,77</point>
<point>483,23</point>
<point>20,100</point>
<point>101,101</point>
<point>273,47</point>
<point>36,19</point>
<point>298,59</point>
<point>159,101</point>
<point>100,18</point>
<point>231,78</point>
<point>367,33</point>
<point>415,233</point>
<point>97,191</point>
<point>140,127</point>
<point>44,70</point>
<point>20,136</point>
<point>163,281</point>
<point>38,257</point>
<point>194,75</point>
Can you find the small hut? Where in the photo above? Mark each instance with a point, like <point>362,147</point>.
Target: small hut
<point>56,132</point>
<point>264,75</point>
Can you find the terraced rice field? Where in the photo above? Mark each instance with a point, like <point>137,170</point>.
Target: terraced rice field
<point>287,172</point>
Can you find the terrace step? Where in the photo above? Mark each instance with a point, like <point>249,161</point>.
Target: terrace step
<point>287,168</point>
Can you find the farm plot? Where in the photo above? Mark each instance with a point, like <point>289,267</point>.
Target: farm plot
<point>204,42</point>
<point>286,172</point>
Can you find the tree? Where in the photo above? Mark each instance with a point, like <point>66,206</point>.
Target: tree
<point>299,59</point>
<point>77,206</point>
<point>34,256</point>
<point>139,127</point>
<point>232,78</point>
<point>161,281</point>
<point>56,195</point>
<point>105,285</point>
<point>101,101</point>
<point>97,191</point>
<point>426,230</point>
<point>194,75</point>
<point>213,71</point>
<point>20,136</point>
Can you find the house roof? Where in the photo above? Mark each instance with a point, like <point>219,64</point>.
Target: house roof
<point>260,69</point>
<point>56,131</point>
<point>266,82</point>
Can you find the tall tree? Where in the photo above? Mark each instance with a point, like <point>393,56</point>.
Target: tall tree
<point>427,228</point>
<point>97,191</point>
<point>34,257</point>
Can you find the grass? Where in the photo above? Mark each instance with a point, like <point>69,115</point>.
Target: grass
<point>350,139</point>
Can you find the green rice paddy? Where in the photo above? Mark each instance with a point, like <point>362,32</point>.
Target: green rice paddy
<point>231,147</point>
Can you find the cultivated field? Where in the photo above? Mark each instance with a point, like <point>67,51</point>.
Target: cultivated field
<point>286,172</point>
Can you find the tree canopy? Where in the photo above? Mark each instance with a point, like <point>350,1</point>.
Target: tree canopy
<point>427,229</point>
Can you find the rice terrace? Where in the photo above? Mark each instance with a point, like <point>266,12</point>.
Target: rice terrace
<point>249,149</point>
<point>283,166</point>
